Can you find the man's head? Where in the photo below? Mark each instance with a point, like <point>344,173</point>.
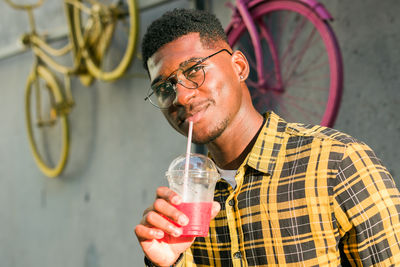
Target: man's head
<point>192,44</point>
<point>180,22</point>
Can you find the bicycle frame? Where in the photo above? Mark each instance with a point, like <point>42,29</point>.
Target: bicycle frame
<point>241,11</point>
<point>46,53</point>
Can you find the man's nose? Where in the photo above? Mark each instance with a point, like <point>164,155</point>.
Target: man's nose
<point>183,95</point>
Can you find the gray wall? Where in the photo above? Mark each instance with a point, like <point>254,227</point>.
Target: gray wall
<point>121,146</point>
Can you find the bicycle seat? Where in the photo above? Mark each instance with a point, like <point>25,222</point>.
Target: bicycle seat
<point>25,6</point>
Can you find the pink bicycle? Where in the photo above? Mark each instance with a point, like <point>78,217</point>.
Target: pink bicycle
<point>294,56</point>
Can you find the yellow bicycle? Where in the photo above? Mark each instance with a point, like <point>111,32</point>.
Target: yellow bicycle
<point>94,26</point>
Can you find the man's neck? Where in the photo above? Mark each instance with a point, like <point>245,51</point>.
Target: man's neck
<point>231,148</point>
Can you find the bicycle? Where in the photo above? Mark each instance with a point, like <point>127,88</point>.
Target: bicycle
<point>93,26</point>
<point>294,55</point>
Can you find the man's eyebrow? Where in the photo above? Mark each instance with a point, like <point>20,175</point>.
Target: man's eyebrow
<point>184,63</point>
<point>156,80</point>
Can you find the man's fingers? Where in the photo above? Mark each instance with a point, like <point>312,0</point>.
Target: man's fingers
<point>168,195</point>
<point>155,220</point>
<point>165,208</point>
<point>146,233</point>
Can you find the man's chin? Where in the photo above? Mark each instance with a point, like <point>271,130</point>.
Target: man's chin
<point>200,142</point>
<point>206,139</point>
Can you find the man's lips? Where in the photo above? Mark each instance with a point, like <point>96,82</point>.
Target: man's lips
<point>194,114</point>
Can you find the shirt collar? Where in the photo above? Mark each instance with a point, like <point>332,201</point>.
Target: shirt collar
<point>263,155</point>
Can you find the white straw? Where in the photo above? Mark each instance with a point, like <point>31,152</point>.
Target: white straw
<point>188,148</point>
<point>187,160</point>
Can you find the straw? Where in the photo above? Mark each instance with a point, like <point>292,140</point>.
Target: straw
<point>187,160</point>
<point>188,147</point>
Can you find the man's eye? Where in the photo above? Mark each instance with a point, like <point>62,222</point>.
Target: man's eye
<point>193,71</point>
<point>164,90</point>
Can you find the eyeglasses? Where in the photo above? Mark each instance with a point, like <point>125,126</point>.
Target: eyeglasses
<point>162,94</point>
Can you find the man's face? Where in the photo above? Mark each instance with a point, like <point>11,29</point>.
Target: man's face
<point>214,104</point>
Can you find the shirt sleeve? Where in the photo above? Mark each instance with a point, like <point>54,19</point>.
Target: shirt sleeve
<point>367,208</point>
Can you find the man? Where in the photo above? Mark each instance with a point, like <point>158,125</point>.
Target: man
<point>291,194</point>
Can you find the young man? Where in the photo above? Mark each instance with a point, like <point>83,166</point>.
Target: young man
<point>291,194</point>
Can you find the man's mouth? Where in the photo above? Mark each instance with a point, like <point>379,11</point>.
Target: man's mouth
<point>195,113</point>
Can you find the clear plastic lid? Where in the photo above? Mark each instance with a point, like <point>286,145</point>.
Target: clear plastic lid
<point>198,164</point>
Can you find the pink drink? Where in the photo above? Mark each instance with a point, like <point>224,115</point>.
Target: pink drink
<point>195,183</point>
<point>199,214</point>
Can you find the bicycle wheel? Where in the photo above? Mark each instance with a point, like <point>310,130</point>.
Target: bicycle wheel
<point>303,76</point>
<point>46,123</point>
<point>103,24</point>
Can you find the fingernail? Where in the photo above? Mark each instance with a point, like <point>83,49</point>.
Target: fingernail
<point>183,220</point>
<point>159,234</point>
<point>176,200</point>
<point>175,231</point>
<point>156,234</point>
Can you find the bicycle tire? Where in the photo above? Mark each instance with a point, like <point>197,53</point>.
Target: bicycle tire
<point>94,59</point>
<point>54,90</point>
<point>288,101</point>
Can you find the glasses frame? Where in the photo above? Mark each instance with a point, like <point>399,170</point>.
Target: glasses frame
<point>173,79</point>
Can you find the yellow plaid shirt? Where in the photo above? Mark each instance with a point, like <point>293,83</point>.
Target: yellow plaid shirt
<point>305,196</point>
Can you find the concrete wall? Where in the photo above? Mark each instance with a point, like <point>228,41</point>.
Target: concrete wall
<point>121,146</point>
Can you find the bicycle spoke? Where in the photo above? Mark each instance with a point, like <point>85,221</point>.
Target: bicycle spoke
<point>125,25</point>
<point>292,40</point>
<point>300,109</point>
<point>298,83</point>
<point>282,106</point>
<point>298,99</point>
<point>305,75</point>
<point>293,115</point>
<point>281,25</point>
<point>273,49</point>
<point>313,66</point>
<point>298,58</point>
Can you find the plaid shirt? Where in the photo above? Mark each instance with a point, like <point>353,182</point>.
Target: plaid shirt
<point>305,196</point>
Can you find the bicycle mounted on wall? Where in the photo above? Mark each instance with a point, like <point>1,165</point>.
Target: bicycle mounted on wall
<point>295,60</point>
<point>93,27</point>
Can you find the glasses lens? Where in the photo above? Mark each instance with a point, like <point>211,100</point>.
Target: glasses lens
<point>192,77</point>
<point>163,96</point>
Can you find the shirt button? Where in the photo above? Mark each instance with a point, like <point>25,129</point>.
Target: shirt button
<point>237,255</point>
<point>231,202</point>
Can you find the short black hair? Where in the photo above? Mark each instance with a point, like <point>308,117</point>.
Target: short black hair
<point>179,22</point>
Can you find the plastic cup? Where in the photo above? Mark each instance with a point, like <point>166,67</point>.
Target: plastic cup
<point>197,190</point>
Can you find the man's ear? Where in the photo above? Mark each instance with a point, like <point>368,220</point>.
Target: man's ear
<point>241,65</point>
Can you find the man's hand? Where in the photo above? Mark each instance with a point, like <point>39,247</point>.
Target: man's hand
<point>160,238</point>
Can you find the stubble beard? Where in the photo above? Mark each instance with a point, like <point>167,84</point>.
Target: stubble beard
<point>214,134</point>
